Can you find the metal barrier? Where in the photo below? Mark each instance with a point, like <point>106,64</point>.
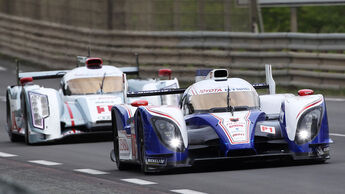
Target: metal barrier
<point>303,60</point>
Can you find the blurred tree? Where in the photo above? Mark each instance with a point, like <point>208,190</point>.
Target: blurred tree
<point>320,19</point>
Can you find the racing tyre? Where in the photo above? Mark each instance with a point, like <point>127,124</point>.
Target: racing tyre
<point>120,165</point>
<point>144,167</point>
<point>13,137</point>
<point>25,119</point>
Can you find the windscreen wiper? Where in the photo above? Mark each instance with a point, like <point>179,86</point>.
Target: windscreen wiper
<point>229,107</point>
<point>102,84</point>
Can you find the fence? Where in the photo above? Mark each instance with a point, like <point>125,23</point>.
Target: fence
<point>303,60</point>
<point>151,15</point>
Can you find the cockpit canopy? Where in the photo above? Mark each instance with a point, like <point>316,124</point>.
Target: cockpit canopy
<point>83,81</point>
<point>211,95</point>
<point>92,85</point>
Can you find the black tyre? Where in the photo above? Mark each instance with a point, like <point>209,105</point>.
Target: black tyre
<point>25,119</point>
<point>13,137</point>
<point>144,167</point>
<point>120,165</point>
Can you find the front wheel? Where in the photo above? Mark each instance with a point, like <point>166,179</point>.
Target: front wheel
<point>143,164</point>
<point>115,155</point>
<point>13,137</point>
<point>25,120</point>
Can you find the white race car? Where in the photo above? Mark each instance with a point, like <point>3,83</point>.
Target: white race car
<point>82,104</point>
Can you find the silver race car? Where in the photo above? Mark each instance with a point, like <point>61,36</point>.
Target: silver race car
<point>81,105</point>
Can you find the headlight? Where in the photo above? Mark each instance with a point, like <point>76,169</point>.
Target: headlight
<point>308,125</point>
<point>39,109</point>
<point>168,133</point>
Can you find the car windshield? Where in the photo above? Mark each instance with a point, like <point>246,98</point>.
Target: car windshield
<point>92,85</point>
<point>209,101</point>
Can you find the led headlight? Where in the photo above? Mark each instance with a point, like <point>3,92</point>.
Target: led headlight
<point>168,133</point>
<point>308,125</point>
<point>39,109</point>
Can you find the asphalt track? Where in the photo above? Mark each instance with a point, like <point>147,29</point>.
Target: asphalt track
<point>82,165</point>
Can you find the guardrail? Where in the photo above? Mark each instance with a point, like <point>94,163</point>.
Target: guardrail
<point>303,60</point>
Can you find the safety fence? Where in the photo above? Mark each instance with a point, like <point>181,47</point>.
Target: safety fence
<point>302,60</point>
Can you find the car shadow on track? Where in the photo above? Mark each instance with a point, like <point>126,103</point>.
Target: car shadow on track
<point>207,167</point>
<point>75,139</point>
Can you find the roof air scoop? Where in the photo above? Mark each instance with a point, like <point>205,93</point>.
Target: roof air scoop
<point>218,74</point>
<point>94,63</point>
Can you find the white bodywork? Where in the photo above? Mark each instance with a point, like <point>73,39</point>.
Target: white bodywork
<point>70,114</point>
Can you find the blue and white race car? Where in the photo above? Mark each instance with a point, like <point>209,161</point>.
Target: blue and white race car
<point>221,118</point>
<point>81,105</point>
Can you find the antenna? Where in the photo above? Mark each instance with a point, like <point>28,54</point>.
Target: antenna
<point>229,107</point>
<point>17,71</point>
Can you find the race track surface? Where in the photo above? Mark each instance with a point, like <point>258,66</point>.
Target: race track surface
<point>82,165</point>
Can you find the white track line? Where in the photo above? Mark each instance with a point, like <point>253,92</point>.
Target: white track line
<point>90,171</point>
<point>3,98</point>
<point>139,181</point>
<point>6,155</point>
<point>337,134</point>
<point>44,162</point>
<point>335,99</point>
<point>186,191</point>
<point>3,68</point>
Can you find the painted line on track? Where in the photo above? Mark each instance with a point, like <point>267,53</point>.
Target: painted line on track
<point>139,181</point>
<point>337,134</point>
<point>186,191</point>
<point>335,99</point>
<point>44,162</point>
<point>6,155</point>
<point>90,171</point>
<point>3,68</point>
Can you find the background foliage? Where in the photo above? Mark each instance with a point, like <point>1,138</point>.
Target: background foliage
<point>320,19</point>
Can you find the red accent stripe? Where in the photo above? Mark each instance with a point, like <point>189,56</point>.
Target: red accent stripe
<point>220,122</point>
<point>159,113</point>
<point>70,114</point>
<point>310,105</point>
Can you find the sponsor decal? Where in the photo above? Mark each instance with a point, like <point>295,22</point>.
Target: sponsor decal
<point>219,90</point>
<point>123,146</point>
<point>268,129</point>
<point>235,128</point>
<point>156,161</point>
<point>101,109</point>
<point>73,131</point>
<point>234,119</point>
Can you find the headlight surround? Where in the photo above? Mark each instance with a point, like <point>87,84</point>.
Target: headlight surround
<point>39,109</point>
<point>308,125</point>
<point>168,133</point>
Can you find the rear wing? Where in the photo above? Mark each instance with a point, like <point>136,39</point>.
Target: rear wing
<point>175,91</point>
<point>43,74</point>
<point>156,92</point>
<point>130,70</point>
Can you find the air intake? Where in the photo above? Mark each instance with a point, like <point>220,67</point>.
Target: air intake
<point>218,75</point>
